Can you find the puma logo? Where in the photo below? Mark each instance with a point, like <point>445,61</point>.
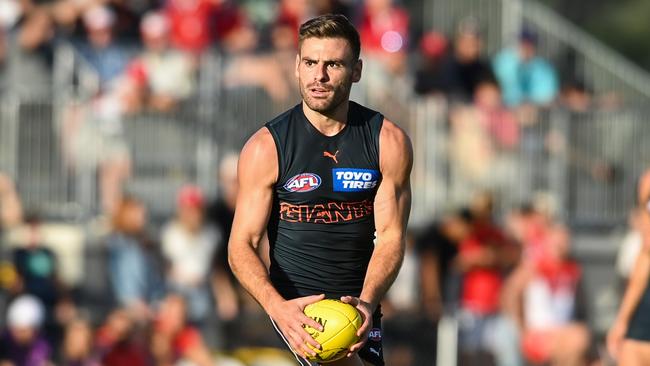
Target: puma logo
<point>328,154</point>
<point>375,351</point>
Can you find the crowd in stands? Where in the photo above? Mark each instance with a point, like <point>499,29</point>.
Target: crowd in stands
<point>512,284</point>
<point>510,280</point>
<point>145,57</point>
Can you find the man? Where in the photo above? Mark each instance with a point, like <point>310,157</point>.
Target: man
<point>525,76</point>
<point>327,177</point>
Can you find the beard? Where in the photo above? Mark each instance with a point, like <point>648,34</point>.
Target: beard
<point>337,94</point>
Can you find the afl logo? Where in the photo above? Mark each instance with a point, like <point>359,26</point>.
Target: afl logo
<point>304,182</point>
<point>375,335</point>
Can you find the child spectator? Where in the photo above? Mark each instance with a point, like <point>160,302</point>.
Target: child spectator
<point>22,343</point>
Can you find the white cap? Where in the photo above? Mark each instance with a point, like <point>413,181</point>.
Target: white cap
<point>154,24</point>
<point>10,13</point>
<point>26,311</point>
<point>98,17</point>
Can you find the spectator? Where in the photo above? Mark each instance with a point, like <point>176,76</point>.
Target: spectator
<point>161,77</point>
<point>274,72</point>
<point>135,270</point>
<point>484,258</point>
<point>94,138</point>
<point>438,250</point>
<point>464,69</point>
<point>37,269</point>
<point>189,244</point>
<point>101,51</point>
<point>485,138</point>
<point>190,25</point>
<point>499,122</point>
<point>116,343</point>
<point>78,345</point>
<point>22,344</point>
<point>433,47</point>
<point>545,290</point>
<point>29,55</point>
<point>576,97</point>
<point>174,341</point>
<point>524,76</point>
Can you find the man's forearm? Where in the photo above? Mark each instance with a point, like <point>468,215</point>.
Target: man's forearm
<point>252,274</point>
<point>383,268</point>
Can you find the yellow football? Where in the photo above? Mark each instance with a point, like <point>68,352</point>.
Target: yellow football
<point>340,322</point>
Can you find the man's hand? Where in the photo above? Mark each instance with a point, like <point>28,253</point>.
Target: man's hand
<point>365,309</point>
<point>291,319</point>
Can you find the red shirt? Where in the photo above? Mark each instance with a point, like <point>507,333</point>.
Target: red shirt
<point>481,286</point>
<point>190,22</point>
<point>185,340</point>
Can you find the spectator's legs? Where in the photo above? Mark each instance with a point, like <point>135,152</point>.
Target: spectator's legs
<point>635,353</point>
<point>112,177</point>
<point>502,336</point>
<point>73,116</point>
<point>569,345</point>
<point>472,334</point>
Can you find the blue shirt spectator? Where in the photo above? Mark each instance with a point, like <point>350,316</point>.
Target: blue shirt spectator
<point>135,273</point>
<point>524,76</point>
<point>100,51</point>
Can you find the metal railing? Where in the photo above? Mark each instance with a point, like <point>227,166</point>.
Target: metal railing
<point>578,54</point>
<point>588,161</point>
<point>598,65</point>
<point>590,167</point>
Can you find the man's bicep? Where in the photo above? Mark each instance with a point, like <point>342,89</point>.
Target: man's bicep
<point>256,173</point>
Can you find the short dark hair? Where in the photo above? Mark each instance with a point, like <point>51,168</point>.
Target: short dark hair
<point>331,26</point>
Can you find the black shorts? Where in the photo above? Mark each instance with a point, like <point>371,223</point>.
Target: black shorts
<point>639,325</point>
<point>372,352</point>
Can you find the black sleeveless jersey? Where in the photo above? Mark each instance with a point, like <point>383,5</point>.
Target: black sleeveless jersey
<point>322,229</point>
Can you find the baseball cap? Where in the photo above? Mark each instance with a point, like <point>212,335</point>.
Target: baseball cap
<point>98,17</point>
<point>190,196</point>
<point>528,35</point>
<point>25,311</point>
<point>433,44</point>
<point>154,24</point>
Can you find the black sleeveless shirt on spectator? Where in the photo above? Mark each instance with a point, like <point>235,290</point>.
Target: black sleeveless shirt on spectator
<point>321,229</point>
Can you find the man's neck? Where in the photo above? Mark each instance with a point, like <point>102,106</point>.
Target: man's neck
<point>328,124</point>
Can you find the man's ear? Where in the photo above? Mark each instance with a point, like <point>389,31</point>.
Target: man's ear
<point>297,64</point>
<point>356,71</point>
